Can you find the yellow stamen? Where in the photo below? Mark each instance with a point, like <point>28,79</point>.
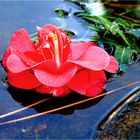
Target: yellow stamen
<point>57,53</point>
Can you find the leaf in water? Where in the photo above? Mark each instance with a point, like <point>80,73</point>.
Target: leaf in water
<point>113,28</point>
<point>123,55</point>
<point>124,23</point>
<point>98,30</point>
<point>61,12</point>
<point>70,33</point>
<point>123,67</point>
<point>81,14</point>
<point>108,27</point>
<point>34,38</point>
<point>82,6</point>
<point>134,41</point>
<point>105,40</point>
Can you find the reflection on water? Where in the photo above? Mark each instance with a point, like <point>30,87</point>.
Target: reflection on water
<point>32,97</point>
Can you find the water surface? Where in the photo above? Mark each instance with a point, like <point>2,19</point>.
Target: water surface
<point>76,122</point>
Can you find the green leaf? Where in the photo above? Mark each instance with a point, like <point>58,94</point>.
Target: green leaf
<point>105,24</point>
<point>34,38</point>
<point>123,55</point>
<point>61,12</point>
<point>70,33</point>
<point>96,29</point>
<point>123,67</point>
<point>111,27</point>
<point>109,41</point>
<point>124,23</point>
<point>81,14</point>
<point>82,6</point>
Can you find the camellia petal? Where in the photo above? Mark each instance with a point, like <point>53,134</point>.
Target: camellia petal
<point>94,58</point>
<point>84,79</point>
<point>77,49</point>
<point>55,79</point>
<point>34,56</point>
<point>44,32</point>
<point>15,64</point>
<point>113,65</point>
<point>6,55</point>
<point>95,89</point>
<point>61,91</point>
<point>57,92</point>
<point>44,89</point>
<point>23,80</point>
<point>54,65</point>
<point>21,41</point>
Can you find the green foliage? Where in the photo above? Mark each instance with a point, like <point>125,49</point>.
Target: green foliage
<point>107,30</point>
<point>70,33</point>
<point>61,13</point>
<point>123,67</point>
<point>82,6</point>
<point>34,38</point>
<point>123,55</point>
<point>116,30</point>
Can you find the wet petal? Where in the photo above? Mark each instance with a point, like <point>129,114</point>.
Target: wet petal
<point>61,91</point>
<point>21,41</point>
<point>15,64</point>
<point>85,79</point>
<point>34,56</point>
<point>58,92</point>
<point>23,80</point>
<point>6,55</point>
<point>48,78</point>
<point>44,89</point>
<point>94,58</point>
<point>95,89</point>
<point>113,65</point>
<point>77,49</point>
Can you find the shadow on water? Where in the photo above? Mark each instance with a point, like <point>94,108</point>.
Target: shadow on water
<point>29,97</point>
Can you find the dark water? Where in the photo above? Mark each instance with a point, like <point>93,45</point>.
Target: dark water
<point>79,121</point>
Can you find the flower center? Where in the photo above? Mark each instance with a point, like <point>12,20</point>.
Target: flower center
<point>56,50</point>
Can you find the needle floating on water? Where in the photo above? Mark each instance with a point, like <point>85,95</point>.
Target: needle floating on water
<point>24,108</point>
<point>60,108</point>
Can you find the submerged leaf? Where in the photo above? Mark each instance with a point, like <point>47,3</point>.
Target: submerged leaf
<point>123,55</point>
<point>70,33</point>
<point>82,6</point>
<point>123,67</point>
<point>61,12</point>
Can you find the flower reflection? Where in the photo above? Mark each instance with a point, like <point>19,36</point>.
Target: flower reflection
<point>25,99</point>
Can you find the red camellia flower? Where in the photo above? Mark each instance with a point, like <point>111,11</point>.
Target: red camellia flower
<point>55,65</point>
